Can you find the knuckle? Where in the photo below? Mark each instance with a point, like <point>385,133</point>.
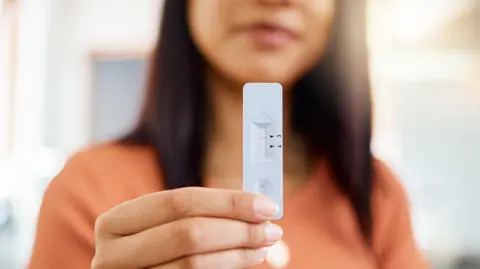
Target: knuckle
<point>241,203</point>
<point>105,256</point>
<point>251,233</point>
<point>193,262</point>
<point>98,263</point>
<point>254,234</point>
<point>244,256</point>
<point>101,224</point>
<point>179,203</point>
<point>235,203</point>
<point>191,233</point>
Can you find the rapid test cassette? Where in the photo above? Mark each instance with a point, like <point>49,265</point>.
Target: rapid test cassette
<point>263,141</point>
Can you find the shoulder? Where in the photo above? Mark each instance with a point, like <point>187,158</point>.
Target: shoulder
<point>106,175</point>
<point>388,194</point>
<point>388,187</point>
<point>111,154</point>
<point>93,181</point>
<point>393,233</point>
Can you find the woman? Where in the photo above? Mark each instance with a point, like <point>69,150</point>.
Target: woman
<point>122,205</point>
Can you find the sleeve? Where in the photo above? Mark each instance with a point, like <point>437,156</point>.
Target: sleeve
<point>64,236</point>
<point>394,240</point>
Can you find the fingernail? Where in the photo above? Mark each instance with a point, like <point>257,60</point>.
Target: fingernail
<point>273,232</point>
<point>265,207</point>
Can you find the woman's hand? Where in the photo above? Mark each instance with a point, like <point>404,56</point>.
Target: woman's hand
<point>186,228</point>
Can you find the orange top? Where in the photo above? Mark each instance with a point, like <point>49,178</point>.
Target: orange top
<point>319,225</point>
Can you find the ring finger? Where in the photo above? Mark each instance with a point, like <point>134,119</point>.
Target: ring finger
<point>193,236</point>
<point>229,259</point>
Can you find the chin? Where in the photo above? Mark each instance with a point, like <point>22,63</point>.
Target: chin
<point>266,75</point>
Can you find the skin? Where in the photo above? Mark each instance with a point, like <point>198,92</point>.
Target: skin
<point>222,227</point>
<point>220,30</point>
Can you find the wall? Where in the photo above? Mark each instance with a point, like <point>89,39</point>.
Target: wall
<point>80,29</point>
<point>7,29</point>
<point>118,93</point>
<point>28,119</point>
<point>52,93</point>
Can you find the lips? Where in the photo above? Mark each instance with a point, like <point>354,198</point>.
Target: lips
<point>271,36</point>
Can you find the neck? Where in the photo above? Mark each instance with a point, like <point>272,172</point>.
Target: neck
<point>223,167</point>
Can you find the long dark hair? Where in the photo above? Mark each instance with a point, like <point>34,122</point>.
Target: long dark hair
<point>331,106</point>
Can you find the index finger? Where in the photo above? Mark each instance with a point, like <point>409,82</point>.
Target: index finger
<point>163,207</point>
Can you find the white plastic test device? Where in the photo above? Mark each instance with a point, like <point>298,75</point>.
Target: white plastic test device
<point>263,141</point>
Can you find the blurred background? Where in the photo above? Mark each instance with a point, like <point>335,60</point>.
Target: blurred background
<point>70,71</point>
